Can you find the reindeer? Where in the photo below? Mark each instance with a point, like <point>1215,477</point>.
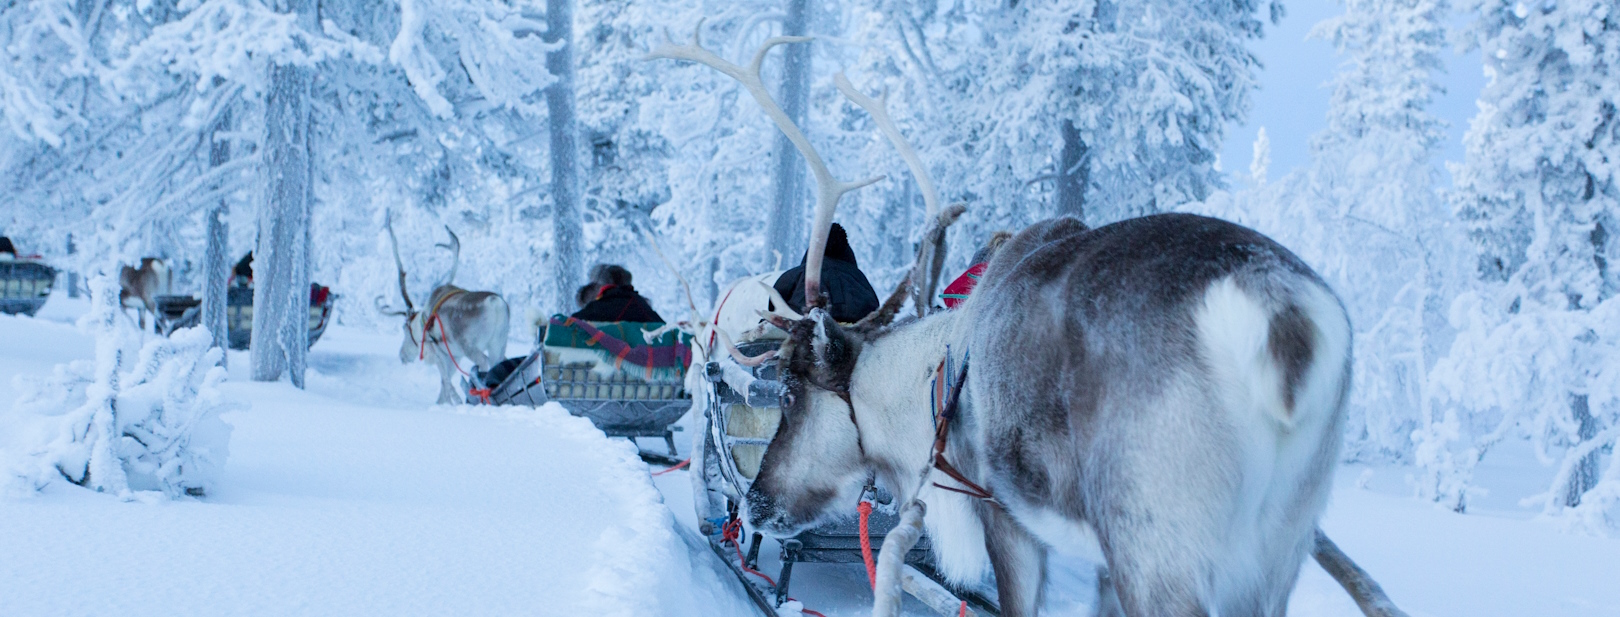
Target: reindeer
<point>458,325</point>
<point>1164,394</point>
<point>140,288</point>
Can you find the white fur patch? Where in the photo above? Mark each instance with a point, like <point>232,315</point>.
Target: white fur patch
<point>1065,535</point>
<point>957,535</point>
<point>1235,329</point>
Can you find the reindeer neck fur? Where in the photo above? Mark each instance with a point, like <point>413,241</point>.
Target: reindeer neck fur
<point>890,390</point>
<point>891,393</point>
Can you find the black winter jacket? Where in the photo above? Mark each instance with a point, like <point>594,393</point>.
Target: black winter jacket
<point>850,295</point>
<point>619,303</point>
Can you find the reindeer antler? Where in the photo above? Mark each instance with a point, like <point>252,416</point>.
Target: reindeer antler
<point>879,110</point>
<point>388,223</point>
<point>828,189</point>
<point>739,356</point>
<point>455,249</point>
<point>924,276</point>
<point>651,239</point>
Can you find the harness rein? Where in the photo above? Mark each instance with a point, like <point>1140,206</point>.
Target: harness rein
<point>427,329</point>
<point>944,411</point>
<point>942,423</point>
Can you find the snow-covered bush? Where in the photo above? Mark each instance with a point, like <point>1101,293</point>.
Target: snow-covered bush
<point>122,427</point>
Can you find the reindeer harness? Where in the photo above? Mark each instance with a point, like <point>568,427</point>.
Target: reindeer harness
<point>427,329</point>
<point>947,396</point>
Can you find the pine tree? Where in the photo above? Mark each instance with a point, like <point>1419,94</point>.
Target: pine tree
<point>1540,198</point>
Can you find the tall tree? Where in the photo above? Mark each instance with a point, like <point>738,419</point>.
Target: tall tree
<point>1107,108</point>
<point>216,257</point>
<point>1541,199</point>
<point>565,203</point>
<point>1381,232</point>
<point>281,262</point>
<point>785,231</point>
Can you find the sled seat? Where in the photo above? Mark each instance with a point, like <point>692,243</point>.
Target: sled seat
<point>609,372</point>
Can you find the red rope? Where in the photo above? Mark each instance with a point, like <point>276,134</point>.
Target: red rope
<point>679,465</point>
<point>865,508</point>
<point>446,340</point>
<point>730,532</point>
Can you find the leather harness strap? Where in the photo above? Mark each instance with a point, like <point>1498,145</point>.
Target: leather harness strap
<point>941,434</point>
<point>851,404</point>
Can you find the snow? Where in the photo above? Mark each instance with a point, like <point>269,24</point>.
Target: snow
<point>360,505</point>
<point>357,497</point>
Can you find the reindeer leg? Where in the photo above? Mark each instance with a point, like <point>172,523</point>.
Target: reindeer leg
<point>1107,597</point>
<point>1019,561</point>
<point>448,393</point>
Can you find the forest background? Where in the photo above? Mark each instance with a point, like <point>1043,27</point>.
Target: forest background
<point>1475,260</point>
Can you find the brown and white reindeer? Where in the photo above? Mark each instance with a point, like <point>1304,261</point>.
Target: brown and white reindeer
<point>459,330</point>
<point>1164,394</point>
<point>140,287</point>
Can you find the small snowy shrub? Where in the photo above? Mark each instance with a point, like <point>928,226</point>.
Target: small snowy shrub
<point>152,427</point>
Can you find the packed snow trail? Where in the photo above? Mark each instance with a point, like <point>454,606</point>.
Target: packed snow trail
<point>328,507</point>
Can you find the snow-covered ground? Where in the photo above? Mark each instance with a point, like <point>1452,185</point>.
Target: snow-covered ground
<point>359,497</point>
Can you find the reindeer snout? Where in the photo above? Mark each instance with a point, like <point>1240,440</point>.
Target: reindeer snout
<point>767,516</point>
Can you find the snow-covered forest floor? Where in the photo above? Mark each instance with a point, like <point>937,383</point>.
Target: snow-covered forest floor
<point>359,497</point>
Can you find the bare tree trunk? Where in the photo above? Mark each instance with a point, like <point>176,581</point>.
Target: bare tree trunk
<point>216,261</point>
<point>566,220</point>
<point>72,277</point>
<point>1073,173</point>
<point>281,264</point>
<point>785,229</point>
<point>1585,475</point>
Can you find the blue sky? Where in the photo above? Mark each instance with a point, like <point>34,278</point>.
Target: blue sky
<point>1292,102</point>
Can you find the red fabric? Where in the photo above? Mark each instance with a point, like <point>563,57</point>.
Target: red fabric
<point>317,294</point>
<point>957,292</point>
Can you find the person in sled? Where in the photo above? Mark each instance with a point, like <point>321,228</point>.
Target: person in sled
<point>616,299</point>
<point>242,273</point>
<point>850,296</point>
<point>958,290</point>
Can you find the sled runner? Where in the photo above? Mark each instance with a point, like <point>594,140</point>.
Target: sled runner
<point>176,312</point>
<point>608,372</point>
<point>24,286</point>
<point>742,415</point>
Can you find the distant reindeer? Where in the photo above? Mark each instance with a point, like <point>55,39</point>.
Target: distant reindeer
<point>1164,393</point>
<point>458,327</point>
<point>140,287</point>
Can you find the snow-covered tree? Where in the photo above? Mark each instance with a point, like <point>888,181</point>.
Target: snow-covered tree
<point>120,426</point>
<point>1124,102</point>
<point>281,257</point>
<point>1385,232</point>
<point>1367,216</point>
<point>785,230</point>
<point>1537,354</point>
<point>567,225</point>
